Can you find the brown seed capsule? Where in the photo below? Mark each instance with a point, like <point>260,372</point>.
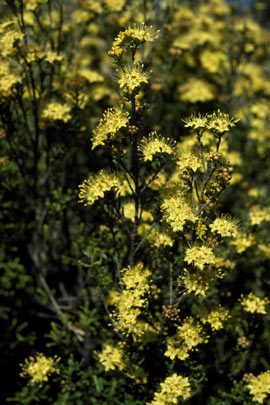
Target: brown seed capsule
<point>247,377</point>
<point>170,312</point>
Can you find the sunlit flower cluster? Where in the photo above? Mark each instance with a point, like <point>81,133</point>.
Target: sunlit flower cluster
<point>199,282</point>
<point>129,213</point>
<point>188,336</point>
<point>95,186</point>
<point>243,242</point>
<point>130,302</point>
<point>196,90</point>
<point>215,317</point>
<point>113,120</point>
<point>254,304</point>
<point>217,121</point>
<point>200,256</point>
<point>7,41</point>
<point>224,226</point>
<point>258,214</point>
<point>132,79</point>
<point>155,144</point>
<point>177,212</point>
<point>111,358</point>
<point>189,161</point>
<point>132,36</point>
<point>57,111</point>
<point>39,367</point>
<point>172,389</point>
<point>259,387</point>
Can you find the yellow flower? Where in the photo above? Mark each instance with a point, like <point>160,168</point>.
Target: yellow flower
<point>190,332</point>
<point>129,213</point>
<point>153,145</point>
<point>198,282</point>
<point>133,78</point>
<point>172,388</point>
<point>131,300</point>
<point>91,75</point>
<point>243,242</point>
<point>52,56</point>
<point>254,304</point>
<point>177,212</point>
<point>132,36</point>
<point>259,387</point>
<point>115,5</point>
<point>257,214</point>
<point>214,60</point>
<point>8,40</point>
<point>39,367</point>
<point>57,111</point>
<point>196,90</point>
<point>7,81</point>
<point>216,317</point>
<point>220,122</point>
<point>94,187</point>
<point>188,336</point>
<point>225,226</point>
<point>111,358</point>
<point>158,238</point>
<point>199,256</point>
<point>31,5</point>
<point>188,161</point>
<point>113,120</point>
<point>195,122</point>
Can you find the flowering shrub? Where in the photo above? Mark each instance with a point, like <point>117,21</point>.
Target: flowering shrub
<point>154,289</point>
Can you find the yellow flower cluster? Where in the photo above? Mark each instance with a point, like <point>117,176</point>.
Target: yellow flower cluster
<point>218,121</point>
<point>129,213</point>
<point>224,226</point>
<point>132,36</point>
<point>189,161</point>
<point>172,388</point>
<point>111,358</point>
<point>213,61</point>
<point>7,81</point>
<point>257,215</point>
<point>264,250</point>
<point>132,79</point>
<point>52,56</point>
<point>158,238</point>
<point>254,304</point>
<point>215,318</point>
<point>57,111</point>
<point>177,212</point>
<point>113,120</point>
<point>188,336</point>
<point>39,367</point>
<point>8,40</point>
<point>90,75</point>
<point>94,187</point>
<point>115,5</point>
<point>196,90</point>
<point>199,256</point>
<point>259,387</point>
<point>31,5</point>
<point>153,145</point>
<point>196,121</point>
<point>243,242</point>
<point>201,228</point>
<point>199,282</point>
<point>131,300</point>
